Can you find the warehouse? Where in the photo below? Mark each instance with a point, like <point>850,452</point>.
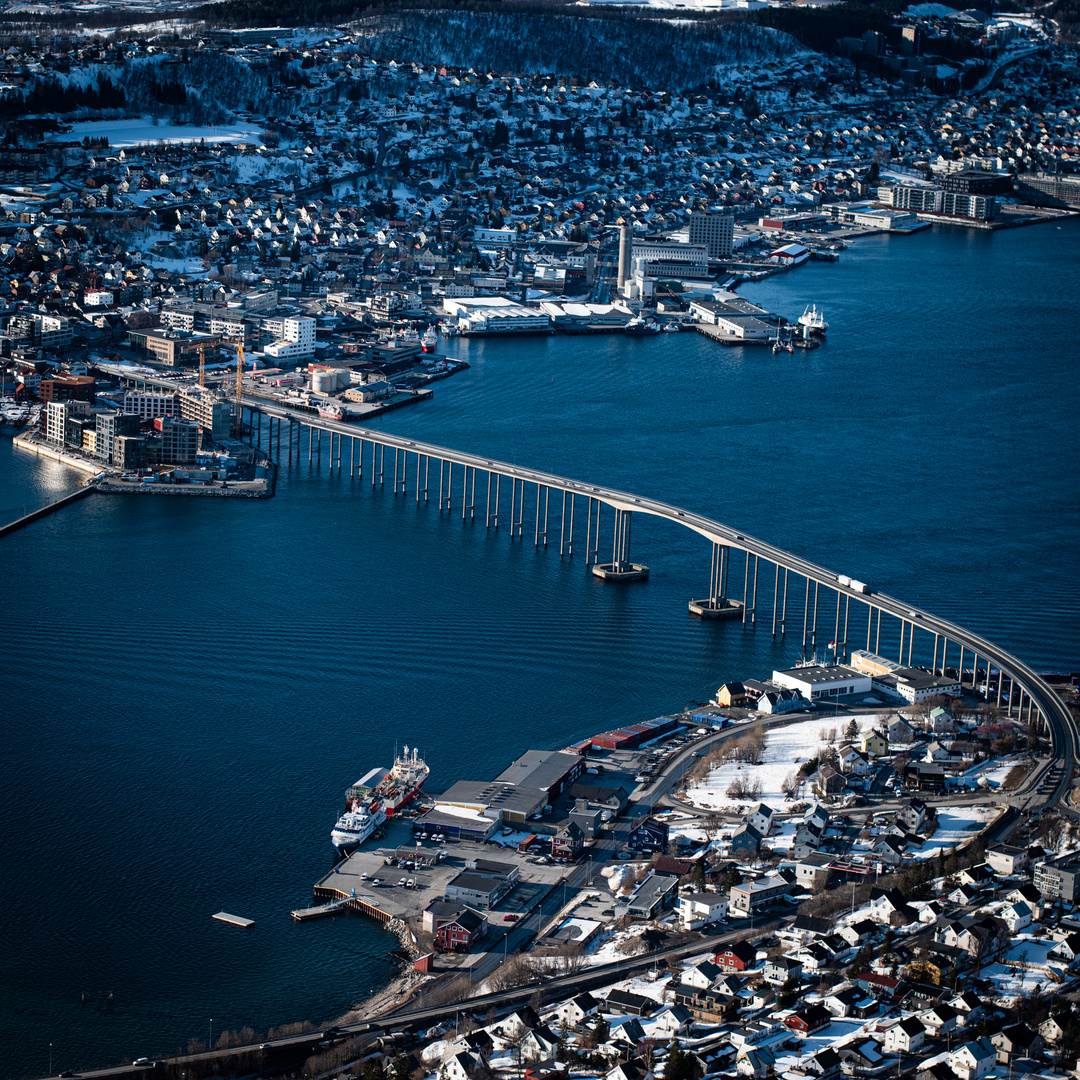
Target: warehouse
<point>820,681</point>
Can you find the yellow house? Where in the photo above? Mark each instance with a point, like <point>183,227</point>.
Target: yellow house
<point>873,742</point>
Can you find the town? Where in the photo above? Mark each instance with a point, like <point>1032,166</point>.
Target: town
<point>151,253</point>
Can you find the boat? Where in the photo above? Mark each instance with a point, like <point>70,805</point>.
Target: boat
<point>672,328</point>
<point>329,411</point>
<point>377,796</point>
<point>355,826</point>
<point>814,320</point>
<point>639,327</point>
<point>429,340</point>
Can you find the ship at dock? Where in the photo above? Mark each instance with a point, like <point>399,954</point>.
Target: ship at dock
<point>377,796</point>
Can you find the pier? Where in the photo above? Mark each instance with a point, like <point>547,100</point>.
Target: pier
<point>780,590</point>
<point>45,511</point>
<point>320,911</point>
<point>233,920</point>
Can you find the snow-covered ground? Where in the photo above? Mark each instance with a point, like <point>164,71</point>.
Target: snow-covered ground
<point>126,133</point>
<point>785,749</point>
<point>954,827</point>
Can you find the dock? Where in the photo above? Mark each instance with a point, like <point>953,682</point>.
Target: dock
<point>45,511</point>
<point>320,910</point>
<point>236,920</point>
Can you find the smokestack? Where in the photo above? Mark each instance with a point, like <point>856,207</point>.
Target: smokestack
<point>624,255</point>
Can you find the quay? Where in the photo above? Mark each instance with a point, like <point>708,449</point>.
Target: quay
<point>235,920</point>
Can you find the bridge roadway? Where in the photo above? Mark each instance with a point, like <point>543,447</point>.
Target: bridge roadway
<point>1034,690</point>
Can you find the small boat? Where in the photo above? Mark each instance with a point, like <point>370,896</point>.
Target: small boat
<point>671,328</point>
<point>639,327</point>
<point>329,411</point>
<point>814,320</point>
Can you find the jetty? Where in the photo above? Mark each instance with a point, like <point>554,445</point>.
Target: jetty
<point>45,511</point>
<point>320,910</point>
<point>235,920</point>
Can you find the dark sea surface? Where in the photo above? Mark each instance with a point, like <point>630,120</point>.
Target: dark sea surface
<point>191,684</point>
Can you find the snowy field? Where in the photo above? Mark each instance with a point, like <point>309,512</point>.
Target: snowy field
<point>127,133</point>
<point>954,827</point>
<point>785,749</point>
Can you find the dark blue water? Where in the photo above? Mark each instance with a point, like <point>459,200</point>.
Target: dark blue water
<point>190,685</point>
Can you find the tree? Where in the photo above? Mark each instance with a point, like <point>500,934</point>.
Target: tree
<point>851,732</point>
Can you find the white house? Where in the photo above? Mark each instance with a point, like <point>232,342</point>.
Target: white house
<point>905,1037</point>
<point>697,909</point>
<point>1016,917</point>
<point>761,817</point>
<point>973,1060</point>
<point>572,1012</point>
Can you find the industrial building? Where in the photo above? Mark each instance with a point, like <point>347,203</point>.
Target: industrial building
<point>817,681</point>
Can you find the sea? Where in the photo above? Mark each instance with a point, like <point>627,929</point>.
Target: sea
<point>189,685</point>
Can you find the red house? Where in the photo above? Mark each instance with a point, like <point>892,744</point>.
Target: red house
<point>810,1020</point>
<point>738,956</point>
<point>459,933</point>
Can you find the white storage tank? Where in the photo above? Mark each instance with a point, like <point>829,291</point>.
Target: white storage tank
<point>344,378</point>
<point>323,382</point>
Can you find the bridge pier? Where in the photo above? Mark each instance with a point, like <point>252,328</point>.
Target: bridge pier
<point>620,568</point>
<point>716,605</point>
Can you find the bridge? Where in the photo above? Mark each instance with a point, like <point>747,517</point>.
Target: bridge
<point>777,586</point>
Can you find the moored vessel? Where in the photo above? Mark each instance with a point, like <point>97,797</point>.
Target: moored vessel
<point>814,320</point>
<point>378,795</point>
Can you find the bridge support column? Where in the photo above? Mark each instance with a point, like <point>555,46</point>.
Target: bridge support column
<point>472,497</point>
<point>547,508</point>
<point>877,640</point>
<point>562,527</point>
<point>910,644</point>
<point>753,602</point>
<point>783,609</point>
<point>813,629</point>
<point>836,629</point>
<point>310,442</point>
<point>465,493</point>
<point>933,665</point>
<point>536,533</point>
<point>805,617</point>
<point>570,540</point>
<point>427,474</point>
<point>716,605</point>
<point>620,568</point>
<point>903,635</point>
<point>745,585</point>
<point>775,597</point>
<point>487,511</point>
<point>498,492</point>
<point>517,516</point>
<point>960,670</point>
<point>847,614</point>
<point>1001,679</point>
<point>442,469</point>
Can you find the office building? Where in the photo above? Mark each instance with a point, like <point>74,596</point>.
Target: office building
<point>714,229</point>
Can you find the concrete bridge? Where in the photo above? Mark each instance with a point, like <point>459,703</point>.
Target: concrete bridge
<point>556,509</point>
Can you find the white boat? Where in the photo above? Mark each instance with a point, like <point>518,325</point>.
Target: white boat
<point>355,826</point>
<point>429,340</point>
<point>672,328</point>
<point>814,320</point>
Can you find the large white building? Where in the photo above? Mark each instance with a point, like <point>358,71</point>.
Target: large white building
<point>296,339</point>
<point>818,681</point>
<point>495,315</point>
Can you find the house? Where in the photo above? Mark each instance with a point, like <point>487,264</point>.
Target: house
<point>732,694</point>
<point>940,721</point>
<point>824,1065</point>
<point>900,731</point>
<point>761,817</point>
<point>738,956</point>
<point>939,1019</point>
<point>913,815</point>
<point>650,835</point>
<point>830,782</point>
<point>577,1009</point>
<point>809,1020</point>
<point>701,976</point>
<point>963,895</point>
<point>461,932</point>
<point>905,1037</point>
<point>889,849</point>
<point>745,840</point>
<point>973,1060</point>
<point>878,985</point>
<point>1016,1041</point>
<point>969,1009</point>
<point>461,1066</point>
<point>755,1061</point>
<point>780,969</point>
<point>1016,917</point>
<point>1068,948</point>
<point>843,1002</point>
<point>568,843</point>
<point>859,933</point>
<point>863,1054</point>
<point>888,907</point>
<point>1051,1031</point>
<point>672,1021</point>
<point>980,875</point>
<point>699,909</point>
<point>627,1004</point>
<point>852,761</point>
<point>806,928</point>
<point>816,956</point>
<point>651,896</point>
<point>873,742</point>
<point>630,1070</point>
<point>811,871</point>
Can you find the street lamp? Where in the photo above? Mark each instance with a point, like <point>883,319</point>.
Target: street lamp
<point>210,1037</point>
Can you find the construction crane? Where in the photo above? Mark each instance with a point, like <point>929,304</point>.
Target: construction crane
<point>238,426</point>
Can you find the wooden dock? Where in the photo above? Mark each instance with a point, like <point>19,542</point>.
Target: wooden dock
<point>320,910</point>
<point>236,920</point>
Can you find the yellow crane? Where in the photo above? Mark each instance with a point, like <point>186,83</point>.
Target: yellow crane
<point>238,426</point>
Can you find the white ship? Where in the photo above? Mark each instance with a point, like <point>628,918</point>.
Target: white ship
<point>814,320</point>
<point>429,340</point>
<point>355,826</point>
